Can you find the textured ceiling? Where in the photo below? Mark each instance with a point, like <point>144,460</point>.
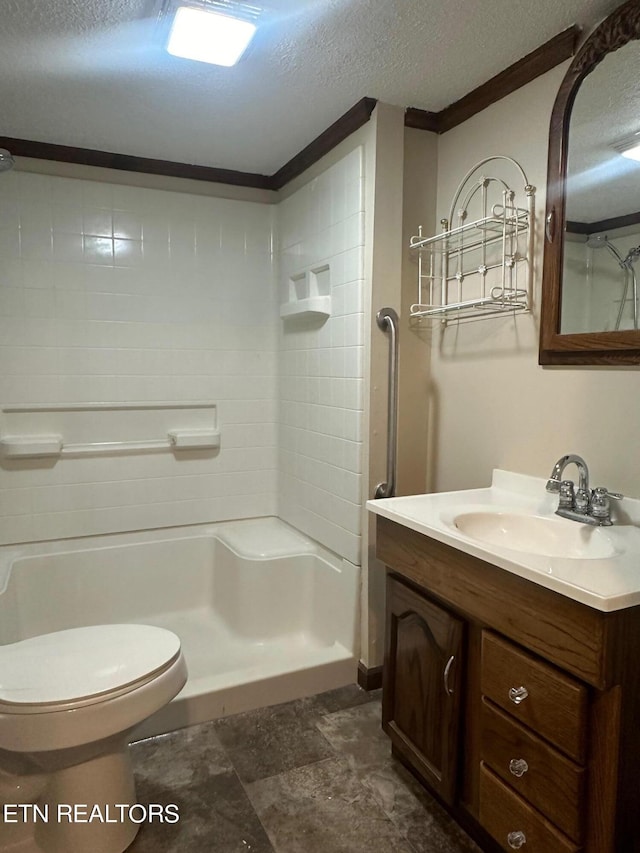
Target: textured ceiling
<point>601,183</point>
<point>94,74</point>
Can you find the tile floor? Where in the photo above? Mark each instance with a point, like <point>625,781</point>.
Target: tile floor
<point>310,776</point>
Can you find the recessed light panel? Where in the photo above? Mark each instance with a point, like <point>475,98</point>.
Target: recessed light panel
<point>629,147</point>
<point>209,36</point>
<point>632,153</point>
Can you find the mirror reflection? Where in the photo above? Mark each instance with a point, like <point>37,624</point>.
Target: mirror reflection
<point>602,227</point>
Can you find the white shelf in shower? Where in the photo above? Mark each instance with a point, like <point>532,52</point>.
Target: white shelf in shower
<point>308,294</point>
<point>312,305</point>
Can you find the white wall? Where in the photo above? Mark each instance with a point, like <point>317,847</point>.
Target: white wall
<point>492,404</point>
<point>121,293</point>
<point>322,224</point>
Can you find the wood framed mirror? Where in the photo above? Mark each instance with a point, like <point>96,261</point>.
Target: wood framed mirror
<point>590,308</point>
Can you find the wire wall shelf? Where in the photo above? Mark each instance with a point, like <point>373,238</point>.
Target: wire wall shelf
<point>472,269</point>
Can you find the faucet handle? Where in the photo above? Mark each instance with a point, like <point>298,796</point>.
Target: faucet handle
<point>602,490</point>
<point>600,502</point>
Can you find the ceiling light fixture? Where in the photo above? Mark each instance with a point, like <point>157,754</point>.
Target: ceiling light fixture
<point>217,33</point>
<point>630,146</point>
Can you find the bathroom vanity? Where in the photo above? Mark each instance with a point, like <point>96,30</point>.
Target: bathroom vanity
<point>511,678</point>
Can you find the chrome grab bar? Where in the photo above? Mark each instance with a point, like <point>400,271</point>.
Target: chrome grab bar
<point>387,318</point>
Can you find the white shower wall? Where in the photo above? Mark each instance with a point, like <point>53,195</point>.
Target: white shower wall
<point>115,293</point>
<point>118,293</point>
<point>593,284</point>
<point>322,361</point>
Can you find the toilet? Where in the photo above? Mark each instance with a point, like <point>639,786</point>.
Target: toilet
<point>68,703</point>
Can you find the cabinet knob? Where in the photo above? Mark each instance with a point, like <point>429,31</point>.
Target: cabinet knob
<point>516,840</point>
<point>518,767</point>
<point>518,694</point>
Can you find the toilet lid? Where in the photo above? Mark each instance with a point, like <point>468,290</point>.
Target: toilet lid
<point>81,663</point>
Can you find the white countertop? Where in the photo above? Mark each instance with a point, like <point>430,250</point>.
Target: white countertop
<point>604,583</point>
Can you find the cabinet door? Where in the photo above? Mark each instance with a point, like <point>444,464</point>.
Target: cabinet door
<point>421,690</point>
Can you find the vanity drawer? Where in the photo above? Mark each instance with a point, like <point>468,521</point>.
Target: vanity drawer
<point>514,823</point>
<point>551,782</point>
<point>551,703</point>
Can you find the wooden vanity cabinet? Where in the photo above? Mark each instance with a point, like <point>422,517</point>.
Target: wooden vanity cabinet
<point>517,706</point>
<point>421,696</point>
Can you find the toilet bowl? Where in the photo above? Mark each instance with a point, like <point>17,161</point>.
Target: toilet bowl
<point>68,703</point>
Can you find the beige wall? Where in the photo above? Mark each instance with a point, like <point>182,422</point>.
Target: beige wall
<point>419,208</point>
<point>492,405</point>
<point>405,196</point>
<point>385,277</point>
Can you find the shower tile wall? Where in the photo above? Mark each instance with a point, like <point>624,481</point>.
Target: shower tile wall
<point>321,363</point>
<point>116,293</point>
<point>593,284</point>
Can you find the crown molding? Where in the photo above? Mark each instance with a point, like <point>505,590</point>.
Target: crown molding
<point>539,61</point>
<point>543,59</point>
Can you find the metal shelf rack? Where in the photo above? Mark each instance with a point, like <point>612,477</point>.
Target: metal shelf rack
<point>471,269</point>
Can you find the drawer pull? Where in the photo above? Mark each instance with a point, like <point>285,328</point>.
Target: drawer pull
<point>447,670</point>
<point>518,694</point>
<point>518,767</point>
<point>516,840</point>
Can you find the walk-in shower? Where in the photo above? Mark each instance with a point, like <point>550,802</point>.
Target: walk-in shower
<point>626,265</point>
<point>6,160</point>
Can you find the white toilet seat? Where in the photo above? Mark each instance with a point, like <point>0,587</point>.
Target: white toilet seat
<point>69,704</point>
<point>82,666</point>
<point>57,702</point>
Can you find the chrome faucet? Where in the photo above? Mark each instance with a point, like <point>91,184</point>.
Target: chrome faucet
<point>553,483</point>
<point>588,507</point>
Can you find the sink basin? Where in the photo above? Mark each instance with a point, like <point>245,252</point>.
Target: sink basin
<point>512,525</point>
<point>534,534</point>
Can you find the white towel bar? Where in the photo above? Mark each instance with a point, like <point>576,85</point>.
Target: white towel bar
<point>53,446</point>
